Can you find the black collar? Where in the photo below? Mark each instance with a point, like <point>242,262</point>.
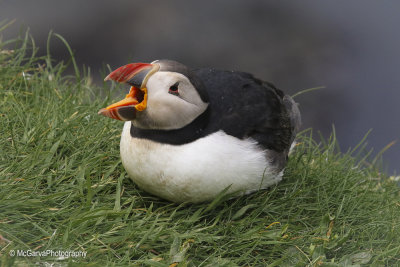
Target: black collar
<point>193,131</point>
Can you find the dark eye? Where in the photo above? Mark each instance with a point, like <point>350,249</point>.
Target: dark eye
<point>174,89</point>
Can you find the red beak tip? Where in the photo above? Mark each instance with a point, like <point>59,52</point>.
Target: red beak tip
<point>109,77</point>
<point>101,111</point>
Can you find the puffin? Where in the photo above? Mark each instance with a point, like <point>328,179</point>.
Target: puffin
<point>191,133</point>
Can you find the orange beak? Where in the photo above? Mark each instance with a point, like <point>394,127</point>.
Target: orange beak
<point>135,74</point>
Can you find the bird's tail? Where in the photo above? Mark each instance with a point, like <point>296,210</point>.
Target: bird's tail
<point>295,118</point>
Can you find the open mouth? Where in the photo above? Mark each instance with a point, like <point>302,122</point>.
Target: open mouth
<point>135,74</point>
<point>135,97</point>
<point>141,97</point>
<point>139,94</point>
<point>126,109</point>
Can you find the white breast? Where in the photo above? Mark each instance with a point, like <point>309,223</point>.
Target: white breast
<point>197,171</point>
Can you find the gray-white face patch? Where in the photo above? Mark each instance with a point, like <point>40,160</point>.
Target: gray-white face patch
<point>166,111</point>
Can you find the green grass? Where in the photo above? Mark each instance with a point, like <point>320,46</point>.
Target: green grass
<point>62,187</point>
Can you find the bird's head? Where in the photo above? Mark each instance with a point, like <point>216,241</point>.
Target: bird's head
<point>165,95</point>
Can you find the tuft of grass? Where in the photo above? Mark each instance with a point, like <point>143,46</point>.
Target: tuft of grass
<point>62,187</point>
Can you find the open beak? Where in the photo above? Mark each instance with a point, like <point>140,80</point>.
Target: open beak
<point>135,74</point>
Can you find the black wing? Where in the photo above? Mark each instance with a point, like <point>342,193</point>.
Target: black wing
<point>244,106</point>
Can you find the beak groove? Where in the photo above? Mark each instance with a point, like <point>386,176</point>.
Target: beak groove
<point>135,74</point>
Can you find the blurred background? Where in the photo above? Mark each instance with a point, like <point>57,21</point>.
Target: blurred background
<point>352,48</point>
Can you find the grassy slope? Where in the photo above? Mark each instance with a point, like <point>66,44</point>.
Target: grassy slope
<point>62,186</point>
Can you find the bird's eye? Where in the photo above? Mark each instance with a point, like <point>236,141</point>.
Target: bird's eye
<point>173,89</point>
